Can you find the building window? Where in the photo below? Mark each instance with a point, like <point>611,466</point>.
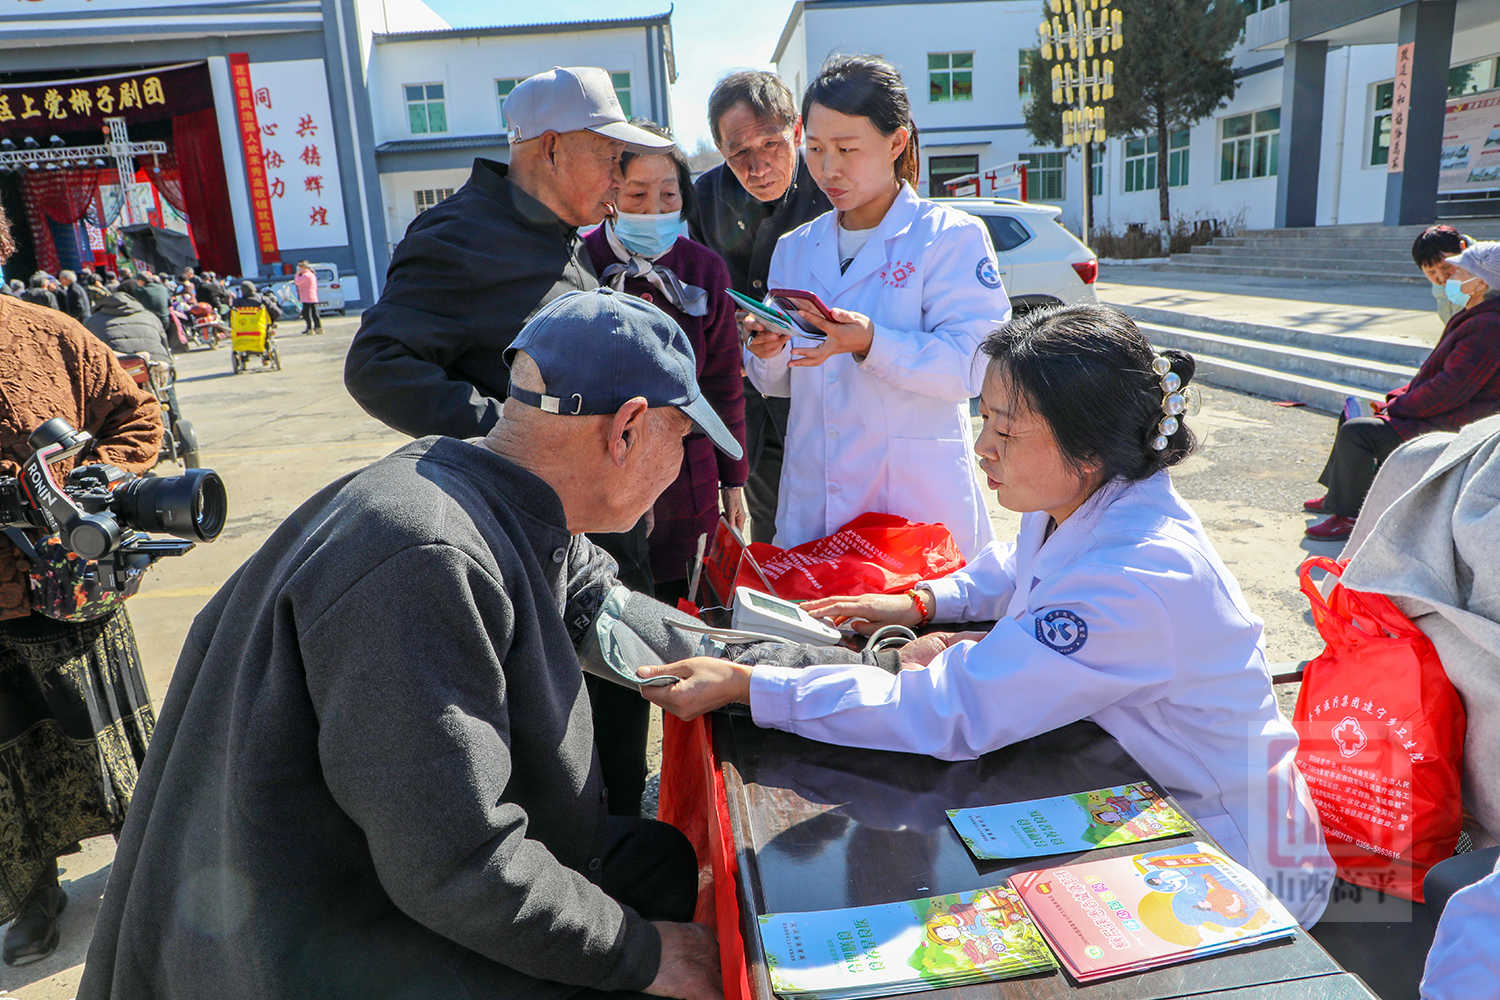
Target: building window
<point>1249,144</point>
<point>425,110</point>
<point>1471,78</point>
<point>1044,175</point>
<point>428,197</point>
<point>1096,169</point>
<point>1140,161</point>
<point>1251,6</point>
<point>941,169</point>
<point>950,76</point>
<point>1380,124</point>
<point>1023,69</point>
<point>502,91</point>
<point>621,82</point>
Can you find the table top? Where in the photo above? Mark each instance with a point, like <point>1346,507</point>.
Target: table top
<point>821,827</point>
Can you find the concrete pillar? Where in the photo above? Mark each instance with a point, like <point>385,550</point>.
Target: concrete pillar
<point>1411,196</point>
<point>1301,133</point>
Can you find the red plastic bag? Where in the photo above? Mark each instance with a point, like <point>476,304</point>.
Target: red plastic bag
<point>872,554</point>
<point>1381,735</point>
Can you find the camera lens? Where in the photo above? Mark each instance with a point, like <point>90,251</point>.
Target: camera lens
<point>193,505</point>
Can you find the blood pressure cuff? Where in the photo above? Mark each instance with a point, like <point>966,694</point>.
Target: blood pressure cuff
<point>633,631</point>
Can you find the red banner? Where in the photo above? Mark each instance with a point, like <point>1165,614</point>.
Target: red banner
<point>255,166</point>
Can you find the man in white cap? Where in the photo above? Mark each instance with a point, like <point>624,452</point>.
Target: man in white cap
<point>473,269</point>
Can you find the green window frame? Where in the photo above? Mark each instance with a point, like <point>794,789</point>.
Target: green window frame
<point>621,82</point>
<point>1249,145</point>
<point>1380,124</point>
<point>426,108</point>
<point>1024,59</point>
<point>1045,176</point>
<point>950,76</point>
<point>502,91</point>
<point>1140,161</point>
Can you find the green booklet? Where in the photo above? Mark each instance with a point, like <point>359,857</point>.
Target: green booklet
<point>772,316</point>
<point>1105,817</point>
<point>925,944</point>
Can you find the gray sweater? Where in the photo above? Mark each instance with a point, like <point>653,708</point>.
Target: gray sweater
<point>374,774</point>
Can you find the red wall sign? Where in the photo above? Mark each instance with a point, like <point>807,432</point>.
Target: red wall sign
<point>255,166</point>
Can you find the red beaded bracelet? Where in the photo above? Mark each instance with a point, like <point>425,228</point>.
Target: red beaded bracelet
<point>924,612</point>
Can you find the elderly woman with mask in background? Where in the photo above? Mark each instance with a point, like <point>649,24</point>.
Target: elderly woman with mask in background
<point>643,250</point>
<point>1457,384</point>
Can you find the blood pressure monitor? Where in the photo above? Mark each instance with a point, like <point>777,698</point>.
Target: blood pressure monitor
<point>758,612</point>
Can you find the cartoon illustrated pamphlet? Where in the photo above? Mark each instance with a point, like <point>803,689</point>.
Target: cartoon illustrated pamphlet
<point>1061,824</point>
<point>924,944</point>
<point>1128,914</point>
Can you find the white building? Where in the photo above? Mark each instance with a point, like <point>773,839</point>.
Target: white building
<point>964,64</point>
<point>436,96</point>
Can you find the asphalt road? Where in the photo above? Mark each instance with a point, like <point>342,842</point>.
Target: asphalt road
<point>277,437</point>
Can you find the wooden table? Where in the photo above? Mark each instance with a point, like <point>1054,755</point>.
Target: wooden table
<point>819,827</point>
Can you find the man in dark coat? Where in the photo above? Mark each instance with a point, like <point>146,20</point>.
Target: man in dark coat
<point>761,191</point>
<point>473,269</point>
<point>37,293</point>
<point>72,297</point>
<point>148,290</point>
<point>373,774</point>
<point>126,326</point>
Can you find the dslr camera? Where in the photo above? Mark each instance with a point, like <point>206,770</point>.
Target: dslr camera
<point>103,513</point>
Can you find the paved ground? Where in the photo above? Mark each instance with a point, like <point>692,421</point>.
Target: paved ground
<point>1394,311</point>
<point>276,437</point>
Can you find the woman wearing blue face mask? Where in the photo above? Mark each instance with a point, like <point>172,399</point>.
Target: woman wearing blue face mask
<point>644,250</point>
<point>1457,384</point>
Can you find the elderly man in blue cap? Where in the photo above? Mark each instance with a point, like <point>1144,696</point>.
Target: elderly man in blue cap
<point>374,773</point>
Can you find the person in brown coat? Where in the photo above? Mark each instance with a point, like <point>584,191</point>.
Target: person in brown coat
<point>75,716</point>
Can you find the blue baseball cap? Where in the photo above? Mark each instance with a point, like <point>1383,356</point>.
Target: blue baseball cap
<point>598,349</point>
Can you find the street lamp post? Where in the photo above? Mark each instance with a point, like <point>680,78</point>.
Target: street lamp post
<point>1070,36</point>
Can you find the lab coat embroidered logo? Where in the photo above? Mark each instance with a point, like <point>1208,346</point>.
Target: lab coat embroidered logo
<point>987,273</point>
<point>1349,736</point>
<point>1062,630</point>
<point>896,273</point>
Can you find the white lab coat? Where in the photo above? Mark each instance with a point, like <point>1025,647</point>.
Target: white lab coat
<point>891,433</point>
<point>1125,616</point>
<point>1464,961</point>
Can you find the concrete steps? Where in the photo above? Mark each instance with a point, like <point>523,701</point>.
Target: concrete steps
<point>1317,369</point>
<point>1372,253</point>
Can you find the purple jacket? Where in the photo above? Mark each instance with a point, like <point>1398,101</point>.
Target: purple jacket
<point>690,506</point>
<point>1460,380</point>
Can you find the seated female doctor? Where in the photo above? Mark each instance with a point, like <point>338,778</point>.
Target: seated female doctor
<point>1112,605</point>
<point>880,408</point>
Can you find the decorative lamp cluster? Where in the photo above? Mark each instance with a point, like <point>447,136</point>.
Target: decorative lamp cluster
<point>1173,403</point>
<point>1070,37</point>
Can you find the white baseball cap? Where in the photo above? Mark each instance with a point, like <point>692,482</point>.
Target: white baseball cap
<point>1482,260</point>
<point>570,99</point>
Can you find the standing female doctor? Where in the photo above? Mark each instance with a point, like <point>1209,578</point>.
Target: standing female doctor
<point>880,408</point>
<point>1111,605</point>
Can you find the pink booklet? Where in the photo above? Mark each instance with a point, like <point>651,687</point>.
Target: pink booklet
<point>1136,912</point>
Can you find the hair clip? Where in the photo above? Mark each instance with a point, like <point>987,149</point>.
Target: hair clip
<point>1173,403</point>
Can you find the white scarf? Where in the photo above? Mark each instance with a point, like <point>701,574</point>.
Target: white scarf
<point>691,299</point>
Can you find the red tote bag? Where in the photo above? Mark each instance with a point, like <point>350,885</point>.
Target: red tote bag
<point>1381,734</point>
<point>872,554</point>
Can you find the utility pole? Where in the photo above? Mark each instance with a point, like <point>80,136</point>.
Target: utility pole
<point>1069,38</point>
